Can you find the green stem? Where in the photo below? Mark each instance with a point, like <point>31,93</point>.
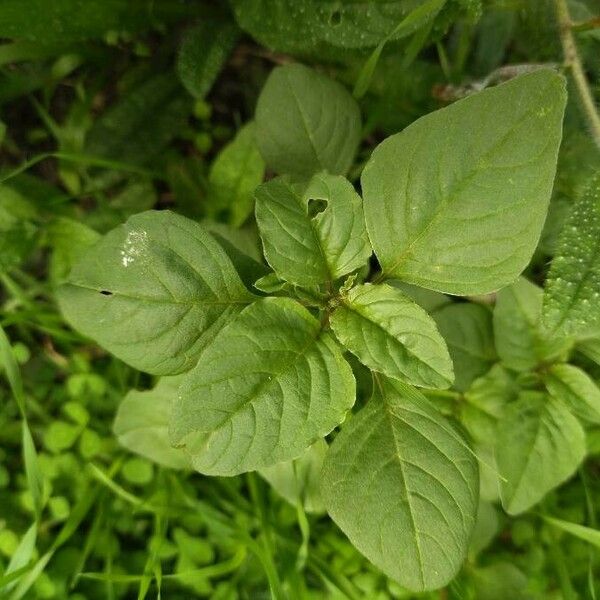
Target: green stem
<point>573,62</point>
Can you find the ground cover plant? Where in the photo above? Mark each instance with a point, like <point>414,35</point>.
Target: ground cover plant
<point>299,299</point>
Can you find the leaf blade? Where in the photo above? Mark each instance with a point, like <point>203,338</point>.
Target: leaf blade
<point>428,220</point>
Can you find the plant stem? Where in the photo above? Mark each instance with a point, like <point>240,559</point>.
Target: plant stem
<point>573,61</point>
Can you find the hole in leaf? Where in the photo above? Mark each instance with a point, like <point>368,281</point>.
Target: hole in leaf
<point>105,293</point>
<point>316,206</point>
<point>335,18</point>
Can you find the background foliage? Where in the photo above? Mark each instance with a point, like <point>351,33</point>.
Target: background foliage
<point>112,107</point>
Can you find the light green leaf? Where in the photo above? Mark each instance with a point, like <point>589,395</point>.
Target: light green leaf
<point>142,424</point>
<point>590,348</point>
<point>521,342</point>
<point>467,329</point>
<point>500,581</point>
<point>486,527</point>
<point>572,290</point>
<point>154,292</point>
<point>299,481</point>
<point>306,122</point>
<point>391,334</point>
<point>68,239</point>
<point>456,202</point>
<point>576,389</point>
<point>587,534</point>
<point>312,232</point>
<point>267,388</point>
<point>429,300</point>
<point>539,445</point>
<point>203,52</point>
<point>234,175</point>
<point>402,485</point>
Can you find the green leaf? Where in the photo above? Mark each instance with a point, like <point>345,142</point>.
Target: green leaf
<point>521,342</point>
<point>427,299</point>
<point>539,445</point>
<point>456,202</point>
<point>312,232</point>
<point>267,388</point>
<point>402,485</point>
<point>467,329</point>
<point>142,424</point>
<point>418,18</point>
<point>203,52</point>
<point>17,228</point>
<point>299,481</point>
<point>137,128</point>
<point>484,403</point>
<point>573,285</point>
<point>154,292</point>
<point>391,334</point>
<point>74,20</point>
<point>500,581</point>
<point>68,239</point>
<point>313,25</point>
<point>587,534</point>
<point>306,122</point>
<point>234,175</point>
<point>576,389</point>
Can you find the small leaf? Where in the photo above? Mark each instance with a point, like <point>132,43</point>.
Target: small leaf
<point>539,445</point>
<point>306,248</point>
<point>456,202</point>
<point>203,52</point>
<point>500,581</point>
<point>467,329</point>
<point>576,389</point>
<point>267,388</point>
<point>234,175</point>
<point>572,290</point>
<point>391,334</point>
<point>142,424</point>
<point>299,481</point>
<point>521,342</point>
<point>402,485</point>
<point>154,292</point>
<point>306,122</point>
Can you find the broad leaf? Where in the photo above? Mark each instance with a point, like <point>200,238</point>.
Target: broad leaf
<point>467,329</point>
<point>203,52</point>
<point>500,581</point>
<point>154,292</point>
<point>234,175</point>
<point>267,388</point>
<point>391,334</point>
<point>299,481</point>
<point>456,202</point>
<point>572,291</point>
<point>311,25</point>
<point>312,232</point>
<point>306,122</point>
<point>402,485</point>
<point>521,341</point>
<point>539,445</point>
<point>142,424</point>
<point>576,389</point>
